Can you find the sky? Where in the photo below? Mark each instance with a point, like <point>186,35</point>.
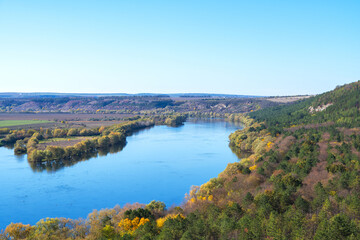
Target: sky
<point>258,47</point>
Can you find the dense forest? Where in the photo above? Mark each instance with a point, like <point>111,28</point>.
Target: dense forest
<point>300,180</point>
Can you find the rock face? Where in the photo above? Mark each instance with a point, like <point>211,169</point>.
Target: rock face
<point>319,108</point>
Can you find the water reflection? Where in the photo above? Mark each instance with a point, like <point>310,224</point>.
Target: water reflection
<point>56,165</point>
<point>20,157</point>
<point>238,153</point>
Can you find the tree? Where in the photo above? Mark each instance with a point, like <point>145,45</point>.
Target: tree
<point>157,206</point>
<point>73,132</point>
<point>58,133</point>
<point>20,147</point>
<point>273,227</point>
<point>173,228</point>
<point>103,142</point>
<point>18,230</point>
<point>341,226</point>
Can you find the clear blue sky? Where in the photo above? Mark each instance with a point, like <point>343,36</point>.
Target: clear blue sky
<point>237,47</point>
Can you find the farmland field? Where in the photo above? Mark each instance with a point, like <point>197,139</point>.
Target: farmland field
<point>61,142</point>
<point>12,123</point>
<point>52,120</point>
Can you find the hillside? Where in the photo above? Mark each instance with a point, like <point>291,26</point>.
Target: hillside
<point>132,104</point>
<point>172,95</point>
<point>339,107</point>
<point>305,164</point>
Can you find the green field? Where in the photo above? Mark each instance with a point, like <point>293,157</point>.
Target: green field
<point>12,123</point>
<point>62,139</point>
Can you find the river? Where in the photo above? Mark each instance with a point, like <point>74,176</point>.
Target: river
<point>160,163</point>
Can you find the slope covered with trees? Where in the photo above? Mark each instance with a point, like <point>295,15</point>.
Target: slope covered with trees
<point>339,107</point>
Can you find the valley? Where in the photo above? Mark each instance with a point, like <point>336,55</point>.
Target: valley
<point>297,176</point>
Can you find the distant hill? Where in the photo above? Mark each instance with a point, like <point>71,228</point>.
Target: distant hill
<point>177,95</point>
<point>131,103</point>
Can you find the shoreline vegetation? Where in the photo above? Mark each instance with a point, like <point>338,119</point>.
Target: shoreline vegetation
<point>51,149</point>
<point>134,220</point>
<point>33,142</point>
<point>99,140</point>
<point>299,181</point>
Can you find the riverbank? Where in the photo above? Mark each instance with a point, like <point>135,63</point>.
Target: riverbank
<point>159,163</point>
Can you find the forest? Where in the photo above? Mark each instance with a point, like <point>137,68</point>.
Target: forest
<point>299,180</point>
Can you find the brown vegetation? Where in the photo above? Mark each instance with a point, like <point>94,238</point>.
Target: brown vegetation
<point>317,174</point>
<point>65,142</point>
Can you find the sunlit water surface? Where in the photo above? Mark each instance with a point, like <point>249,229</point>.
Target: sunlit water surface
<point>160,163</point>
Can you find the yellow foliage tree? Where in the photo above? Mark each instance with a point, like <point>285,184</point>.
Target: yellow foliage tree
<point>252,168</point>
<point>101,129</point>
<point>18,230</point>
<point>129,226</point>
<point>160,221</point>
<point>269,145</point>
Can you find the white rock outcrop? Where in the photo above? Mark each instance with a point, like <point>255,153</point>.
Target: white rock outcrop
<point>319,108</point>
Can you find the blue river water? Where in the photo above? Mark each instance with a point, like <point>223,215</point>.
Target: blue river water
<point>160,163</point>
